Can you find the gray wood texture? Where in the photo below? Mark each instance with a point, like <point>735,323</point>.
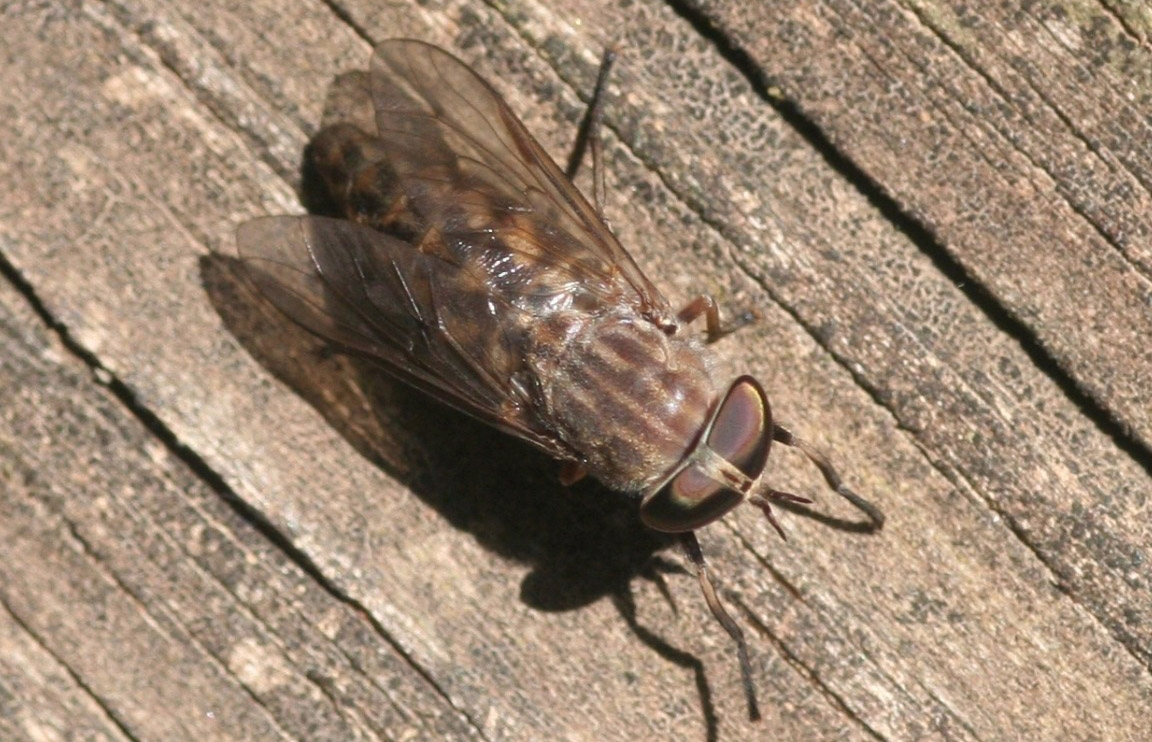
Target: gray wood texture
<point>210,528</point>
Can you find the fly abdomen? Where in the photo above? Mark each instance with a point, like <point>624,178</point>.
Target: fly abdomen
<point>360,183</point>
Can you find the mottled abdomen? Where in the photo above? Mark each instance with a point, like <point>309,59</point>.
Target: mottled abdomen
<point>631,398</point>
<point>360,183</point>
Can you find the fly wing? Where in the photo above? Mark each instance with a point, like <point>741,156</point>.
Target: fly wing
<point>498,204</point>
<point>425,320</point>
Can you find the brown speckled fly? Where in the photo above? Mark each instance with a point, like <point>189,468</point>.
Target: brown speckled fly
<point>468,266</point>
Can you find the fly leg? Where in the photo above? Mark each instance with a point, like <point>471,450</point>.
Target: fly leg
<point>706,305</point>
<point>571,472</point>
<point>785,436</point>
<point>589,134</point>
<point>589,137</point>
<point>692,550</point>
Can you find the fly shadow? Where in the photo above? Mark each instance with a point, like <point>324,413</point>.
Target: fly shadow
<point>582,542</point>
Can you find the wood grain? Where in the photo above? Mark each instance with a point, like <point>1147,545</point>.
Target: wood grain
<point>212,529</point>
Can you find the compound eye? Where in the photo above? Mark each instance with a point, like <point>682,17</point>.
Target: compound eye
<point>741,432</point>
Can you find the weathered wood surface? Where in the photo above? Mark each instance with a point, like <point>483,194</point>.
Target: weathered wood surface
<point>211,530</point>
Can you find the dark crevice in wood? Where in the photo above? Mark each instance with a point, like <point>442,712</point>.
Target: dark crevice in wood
<point>920,235</point>
<point>183,69</point>
<point>1133,34</point>
<point>791,658</point>
<point>1062,578</point>
<point>157,428</point>
<point>800,667</point>
<point>200,468</point>
<point>768,567</point>
<point>188,636</point>
<point>109,713</point>
<point>941,729</point>
<point>349,20</point>
<point>1070,125</point>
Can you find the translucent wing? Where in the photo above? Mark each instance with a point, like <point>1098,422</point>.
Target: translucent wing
<point>497,203</point>
<point>425,320</point>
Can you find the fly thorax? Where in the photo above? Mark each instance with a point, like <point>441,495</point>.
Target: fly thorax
<point>629,397</point>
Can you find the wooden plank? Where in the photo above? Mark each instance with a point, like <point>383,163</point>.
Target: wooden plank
<point>1015,148</point>
<point>1014,142</point>
<point>145,131</point>
<point>41,698</point>
<point>156,611</point>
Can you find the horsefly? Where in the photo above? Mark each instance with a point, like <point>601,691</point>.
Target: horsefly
<point>467,265</point>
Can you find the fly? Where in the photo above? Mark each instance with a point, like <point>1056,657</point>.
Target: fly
<point>468,266</point>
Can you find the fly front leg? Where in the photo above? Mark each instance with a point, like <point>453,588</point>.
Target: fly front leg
<point>785,436</point>
<point>706,305</point>
<point>589,135</point>
<point>691,548</point>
